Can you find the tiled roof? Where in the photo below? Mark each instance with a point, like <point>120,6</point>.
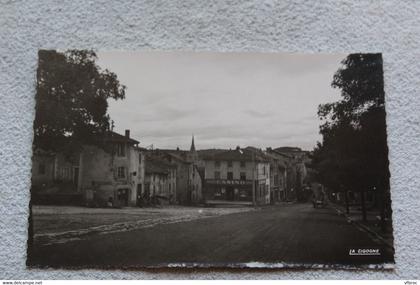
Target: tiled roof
<point>155,165</point>
<point>179,155</point>
<point>273,156</point>
<point>239,154</point>
<point>203,153</point>
<point>115,137</point>
<point>286,155</point>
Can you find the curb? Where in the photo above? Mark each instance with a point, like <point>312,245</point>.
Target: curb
<point>363,227</point>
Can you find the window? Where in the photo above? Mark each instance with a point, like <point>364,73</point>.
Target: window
<point>121,172</point>
<point>41,169</point>
<point>217,164</point>
<point>242,164</point>
<point>276,179</point>
<point>242,176</point>
<point>217,175</point>
<point>229,163</point>
<point>65,173</point>
<point>264,170</point>
<point>120,149</point>
<point>230,175</point>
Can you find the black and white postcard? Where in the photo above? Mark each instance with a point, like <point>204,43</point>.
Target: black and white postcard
<point>206,159</point>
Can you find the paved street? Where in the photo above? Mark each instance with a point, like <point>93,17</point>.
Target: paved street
<point>294,233</point>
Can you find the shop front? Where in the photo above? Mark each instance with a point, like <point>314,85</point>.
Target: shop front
<point>231,191</point>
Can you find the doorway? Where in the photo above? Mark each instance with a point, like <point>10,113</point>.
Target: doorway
<point>230,194</point>
<point>123,197</point>
<point>139,195</point>
<point>76,177</point>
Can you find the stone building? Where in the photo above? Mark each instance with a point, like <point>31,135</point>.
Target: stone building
<point>110,174</point>
<point>278,173</point>
<point>236,176</point>
<point>189,175</point>
<point>55,178</point>
<point>296,161</point>
<point>160,180</point>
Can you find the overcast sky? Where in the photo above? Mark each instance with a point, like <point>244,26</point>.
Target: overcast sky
<point>224,99</point>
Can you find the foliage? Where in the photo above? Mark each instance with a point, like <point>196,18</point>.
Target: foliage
<point>71,99</point>
<point>353,154</point>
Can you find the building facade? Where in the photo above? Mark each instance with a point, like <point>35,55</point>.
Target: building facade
<point>160,181</point>
<point>108,175</point>
<point>51,170</point>
<point>236,176</point>
<point>189,174</point>
<point>55,178</point>
<point>297,180</point>
<point>112,174</point>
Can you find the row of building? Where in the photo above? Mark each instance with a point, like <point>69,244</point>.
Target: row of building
<point>121,173</point>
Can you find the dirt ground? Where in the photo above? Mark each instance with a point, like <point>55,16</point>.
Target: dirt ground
<point>59,224</point>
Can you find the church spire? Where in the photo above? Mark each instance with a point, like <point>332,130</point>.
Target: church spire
<point>192,144</point>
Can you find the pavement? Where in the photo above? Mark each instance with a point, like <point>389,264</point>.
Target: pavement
<point>371,225</point>
<point>283,235</point>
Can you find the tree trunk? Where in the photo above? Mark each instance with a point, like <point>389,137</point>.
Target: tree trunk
<point>346,199</point>
<point>383,203</point>
<point>363,202</point>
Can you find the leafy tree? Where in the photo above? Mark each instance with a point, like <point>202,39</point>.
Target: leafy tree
<point>354,154</point>
<point>71,99</point>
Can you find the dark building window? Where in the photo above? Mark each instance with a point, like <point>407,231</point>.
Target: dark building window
<point>217,164</point>
<point>120,149</point>
<point>229,163</point>
<point>276,179</point>
<point>121,172</point>
<point>41,169</point>
<point>243,176</point>
<point>242,164</point>
<point>217,175</point>
<point>230,175</point>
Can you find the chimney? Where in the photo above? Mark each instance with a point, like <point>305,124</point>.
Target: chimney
<point>127,134</point>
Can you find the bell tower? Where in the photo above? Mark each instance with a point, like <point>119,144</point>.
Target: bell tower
<point>192,155</point>
<point>192,148</point>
